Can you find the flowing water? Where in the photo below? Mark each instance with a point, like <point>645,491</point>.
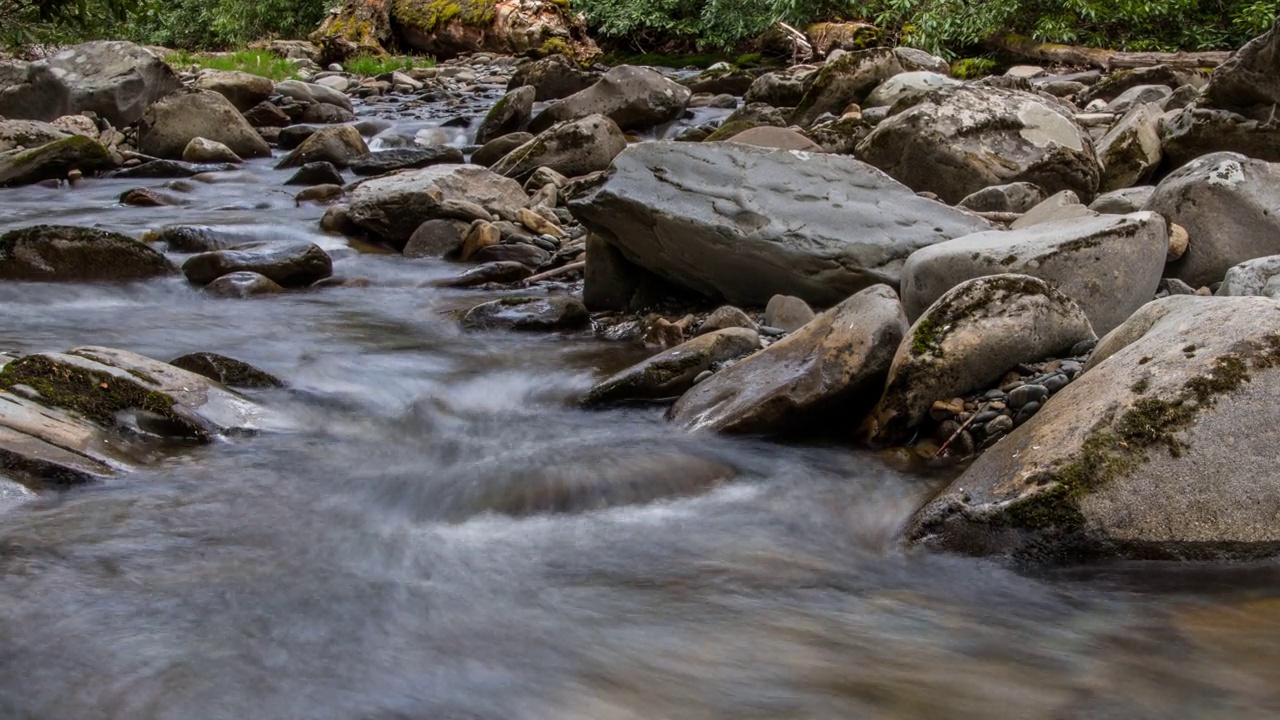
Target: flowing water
<point>397,550</point>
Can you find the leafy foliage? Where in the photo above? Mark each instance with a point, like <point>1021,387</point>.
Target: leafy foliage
<point>213,24</point>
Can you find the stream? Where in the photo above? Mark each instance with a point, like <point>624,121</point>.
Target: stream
<point>392,551</point>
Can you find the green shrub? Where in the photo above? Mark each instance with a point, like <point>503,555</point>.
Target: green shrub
<point>256,62</point>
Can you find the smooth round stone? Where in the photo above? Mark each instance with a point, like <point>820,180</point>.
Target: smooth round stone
<point>1055,382</point>
<point>1026,394</point>
<point>1026,412</point>
<point>999,426</point>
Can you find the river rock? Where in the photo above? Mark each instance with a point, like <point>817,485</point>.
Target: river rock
<point>1247,79</point>
<point>243,90</point>
<point>291,264</point>
<point>392,207</point>
<point>670,373</point>
<point>115,79</point>
<point>552,78</point>
<point>1131,151</point>
<point>340,145</point>
<point>99,383</point>
<point>787,313</point>
<point>775,138</point>
<point>1156,95</point>
<point>847,79</point>
<point>510,114</point>
<point>27,134</point>
<point>1124,201</point>
<point>1058,208</point>
<point>305,92</point>
<point>498,148</point>
<point>1227,203</point>
<point>385,161</point>
<point>52,161</point>
<point>1109,265</point>
<point>502,273</point>
<point>267,115</point>
<point>294,135</point>
<point>956,141</point>
<point>436,238</point>
<point>782,88</point>
<point>570,148</point>
<point>633,97</point>
<point>1195,132</point>
<point>202,150</point>
<point>325,114</point>
<point>557,312</point>
<point>1162,449</point>
<point>1250,278</point>
<point>1016,197</point>
<point>968,340</point>
<point>63,253</point>
<point>242,284</point>
<point>725,317</point>
<point>832,368</point>
<point>745,224</point>
<point>168,125</point>
<point>45,448</point>
<point>904,84</point>
<point>169,169</point>
<point>225,370</point>
<point>321,172</point>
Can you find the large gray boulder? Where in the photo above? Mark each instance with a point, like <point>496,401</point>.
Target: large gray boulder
<point>306,92</point>
<point>829,370</point>
<point>744,224</point>
<point>340,145</point>
<point>1130,152</point>
<point>114,79</point>
<point>48,448</point>
<point>170,124</point>
<point>392,207</point>
<point>510,114</point>
<point>63,253</point>
<point>847,79</point>
<point>243,90</point>
<point>1195,132</point>
<point>1227,203</point>
<point>781,88</point>
<point>956,141</point>
<point>552,78</point>
<point>635,98</point>
<point>969,339</point>
<point>1251,278</point>
<point>1164,448</point>
<point>27,134</point>
<point>572,149</point>
<point>1110,265</point>
<point>1248,78</point>
<point>672,372</point>
<point>904,84</point>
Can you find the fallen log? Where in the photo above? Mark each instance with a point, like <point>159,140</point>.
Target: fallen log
<point>1024,47</point>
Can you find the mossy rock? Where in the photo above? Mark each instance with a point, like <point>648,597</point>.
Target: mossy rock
<point>53,161</point>
<point>228,371</point>
<point>729,129</point>
<point>65,253</point>
<point>1148,455</point>
<point>973,68</point>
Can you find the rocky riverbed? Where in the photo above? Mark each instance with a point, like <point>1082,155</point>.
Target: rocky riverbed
<point>681,395</point>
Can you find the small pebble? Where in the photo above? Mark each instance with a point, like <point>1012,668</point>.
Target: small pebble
<point>1055,382</point>
<point>987,416</point>
<point>996,394</point>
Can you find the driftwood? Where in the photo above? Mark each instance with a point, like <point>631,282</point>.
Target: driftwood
<point>1103,59</point>
<point>562,270</point>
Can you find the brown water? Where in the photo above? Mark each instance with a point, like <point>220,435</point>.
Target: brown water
<point>392,556</point>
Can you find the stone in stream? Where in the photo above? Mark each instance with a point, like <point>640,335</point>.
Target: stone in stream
<point>306,92</point>
<point>503,273</point>
<point>148,197</point>
<point>725,317</point>
<point>572,149</point>
<point>228,371</point>
<point>1227,203</point>
<point>169,169</point>
<point>844,80</point>
<point>956,141</point>
<point>385,161</point>
<point>243,90</point>
<point>53,161</point>
<point>556,312</point>
<point>787,313</point>
<point>531,256</point>
<point>510,114</point>
<point>319,194</point>
<point>168,125</point>
<point>196,238</point>
<point>552,78</point>
<point>202,150</point>
<point>267,115</point>
<point>635,98</point>
<point>320,172</point>
<point>63,253</point>
<point>437,238</point>
<point>116,80</point>
<point>294,135</point>
<point>289,264</point>
<point>27,134</point>
<point>751,223</point>
<point>393,207</point>
<point>832,368</point>
<point>1195,132</point>
<point>99,384</point>
<point>47,448</point>
<point>1162,449</point>
<point>340,145</point>
<point>1016,197</point>
<point>1109,265</point>
<point>967,340</point>
<point>242,284</point>
<point>670,373</point>
<point>325,114</point>
<point>498,148</point>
